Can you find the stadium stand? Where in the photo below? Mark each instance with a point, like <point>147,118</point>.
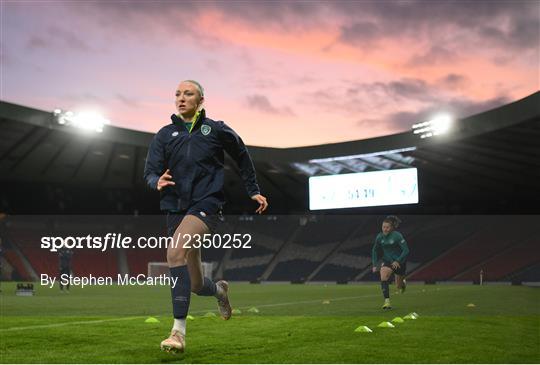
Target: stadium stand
<point>529,274</point>
<point>442,248</point>
<point>314,241</point>
<point>511,260</point>
<point>489,165</point>
<point>496,235</point>
<point>14,259</point>
<point>269,235</point>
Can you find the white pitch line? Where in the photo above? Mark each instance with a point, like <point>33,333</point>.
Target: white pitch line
<point>314,301</point>
<point>336,299</point>
<point>54,325</point>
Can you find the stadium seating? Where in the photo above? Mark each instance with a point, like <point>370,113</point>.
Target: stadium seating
<point>85,261</point>
<point>314,242</point>
<point>293,248</point>
<point>352,260</point>
<point>500,266</point>
<point>268,236</point>
<point>15,261</point>
<point>493,236</point>
<point>528,274</point>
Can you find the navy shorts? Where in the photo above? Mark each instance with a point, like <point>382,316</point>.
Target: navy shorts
<point>211,220</point>
<point>402,268</point>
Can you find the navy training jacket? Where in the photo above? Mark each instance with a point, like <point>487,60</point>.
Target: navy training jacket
<point>196,161</point>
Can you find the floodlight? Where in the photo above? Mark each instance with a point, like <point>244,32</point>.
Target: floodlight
<point>440,124</point>
<point>86,120</point>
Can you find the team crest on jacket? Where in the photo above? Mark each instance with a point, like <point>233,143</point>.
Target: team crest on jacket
<point>206,129</point>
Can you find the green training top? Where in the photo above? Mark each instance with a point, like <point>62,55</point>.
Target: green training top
<point>393,246</point>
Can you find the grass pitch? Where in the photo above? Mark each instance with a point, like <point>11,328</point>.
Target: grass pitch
<point>106,325</point>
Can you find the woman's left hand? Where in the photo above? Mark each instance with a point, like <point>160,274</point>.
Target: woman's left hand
<point>263,204</point>
<point>395,265</point>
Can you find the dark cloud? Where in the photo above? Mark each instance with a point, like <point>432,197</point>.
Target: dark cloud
<point>36,42</point>
<point>511,24</point>
<point>363,17</point>
<point>330,100</point>
<point>305,79</point>
<point>362,21</point>
<point>280,14</point>
<point>261,103</point>
<point>526,33</point>
<point>453,81</point>
<point>362,33</point>
<point>404,89</point>
<point>434,55</point>
<point>150,21</point>
<point>504,60</point>
<point>84,97</point>
<point>408,89</point>
<point>69,39</point>
<point>432,98</point>
<point>522,34</point>
<point>55,37</point>
<point>166,21</point>
<point>459,108</point>
<point>186,13</point>
<point>130,102</point>
<point>446,27</point>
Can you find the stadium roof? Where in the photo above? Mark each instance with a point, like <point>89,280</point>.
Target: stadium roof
<point>495,155</point>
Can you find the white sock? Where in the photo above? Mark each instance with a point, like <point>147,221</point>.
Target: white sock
<point>180,326</point>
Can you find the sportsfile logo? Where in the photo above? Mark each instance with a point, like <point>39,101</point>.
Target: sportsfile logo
<point>118,240</point>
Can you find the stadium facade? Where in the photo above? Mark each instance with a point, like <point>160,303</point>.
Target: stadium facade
<point>488,164</point>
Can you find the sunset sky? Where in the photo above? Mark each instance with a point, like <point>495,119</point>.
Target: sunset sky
<point>280,73</point>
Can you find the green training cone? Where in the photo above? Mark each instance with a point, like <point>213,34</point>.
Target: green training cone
<point>151,320</point>
<point>236,311</point>
<point>398,320</point>
<point>190,317</point>
<point>326,302</point>
<point>386,325</point>
<point>363,329</point>
<point>210,314</point>
<point>410,316</point>
<point>415,314</point>
<point>253,310</point>
<point>471,305</point>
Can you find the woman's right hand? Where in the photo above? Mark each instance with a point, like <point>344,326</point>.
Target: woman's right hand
<point>165,180</point>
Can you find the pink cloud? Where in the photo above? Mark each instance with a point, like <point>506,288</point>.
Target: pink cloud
<point>282,74</point>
